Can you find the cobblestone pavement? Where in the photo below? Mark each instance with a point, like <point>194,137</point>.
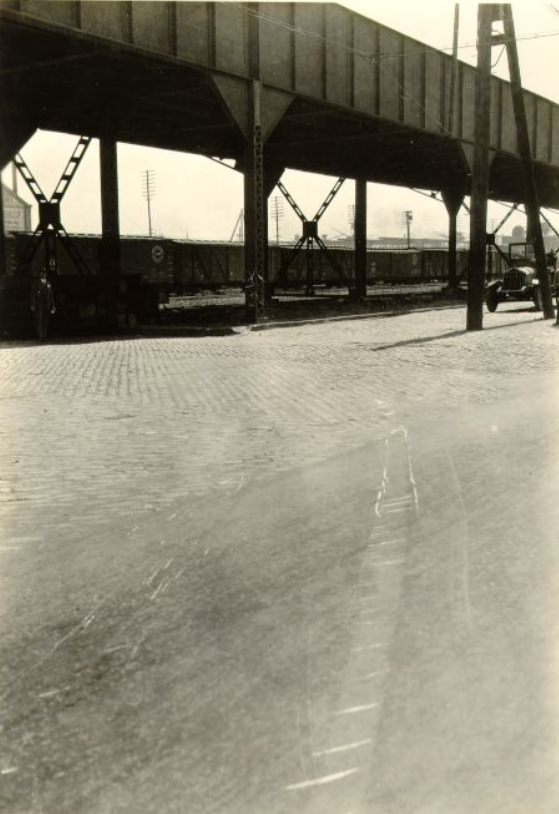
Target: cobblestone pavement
<point>131,424</point>
<point>101,438</point>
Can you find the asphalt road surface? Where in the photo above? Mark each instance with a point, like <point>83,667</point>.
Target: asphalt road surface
<point>312,570</point>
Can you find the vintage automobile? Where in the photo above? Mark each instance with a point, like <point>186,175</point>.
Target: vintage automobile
<point>520,281</point>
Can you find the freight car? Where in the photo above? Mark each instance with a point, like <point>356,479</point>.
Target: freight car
<point>186,265</point>
<point>209,265</point>
<point>389,267</point>
<point>81,294</point>
<point>154,268</point>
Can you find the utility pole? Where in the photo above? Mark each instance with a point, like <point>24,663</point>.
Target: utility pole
<point>454,68</point>
<point>351,217</point>
<point>453,196</point>
<point>480,171</point>
<point>487,14</point>
<point>408,217</point>
<point>278,208</point>
<point>148,192</point>
<point>532,202</point>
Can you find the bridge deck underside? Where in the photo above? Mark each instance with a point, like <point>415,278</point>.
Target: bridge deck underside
<point>61,81</point>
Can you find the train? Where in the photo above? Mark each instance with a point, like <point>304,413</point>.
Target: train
<point>192,265</point>
<point>153,269</point>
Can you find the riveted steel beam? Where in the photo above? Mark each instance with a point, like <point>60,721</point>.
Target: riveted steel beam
<point>255,209</point>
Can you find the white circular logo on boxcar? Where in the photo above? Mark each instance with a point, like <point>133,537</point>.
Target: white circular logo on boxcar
<point>157,254</point>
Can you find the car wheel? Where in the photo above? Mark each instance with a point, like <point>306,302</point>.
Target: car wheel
<point>491,299</point>
<point>538,301</point>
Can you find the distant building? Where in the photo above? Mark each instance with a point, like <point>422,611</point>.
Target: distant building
<point>17,212</point>
<point>415,243</point>
<point>551,241</point>
<point>398,243</point>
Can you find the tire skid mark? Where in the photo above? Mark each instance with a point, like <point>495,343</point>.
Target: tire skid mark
<point>460,572</point>
<point>337,748</point>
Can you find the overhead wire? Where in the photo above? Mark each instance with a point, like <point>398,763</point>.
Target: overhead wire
<point>494,65</point>
<point>321,37</point>
<point>366,55</point>
<point>377,59</point>
<point>372,57</point>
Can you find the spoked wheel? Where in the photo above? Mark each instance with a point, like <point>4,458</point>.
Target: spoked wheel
<point>538,299</point>
<point>492,298</point>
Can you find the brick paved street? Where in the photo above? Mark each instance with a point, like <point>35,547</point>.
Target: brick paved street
<point>136,423</point>
<point>147,488</point>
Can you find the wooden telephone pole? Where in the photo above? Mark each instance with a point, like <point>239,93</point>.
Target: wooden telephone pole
<point>487,14</point>
<point>532,202</point>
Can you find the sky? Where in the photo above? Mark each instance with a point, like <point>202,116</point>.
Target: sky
<point>199,199</point>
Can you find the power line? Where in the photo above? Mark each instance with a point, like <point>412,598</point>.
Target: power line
<point>372,58</point>
<point>494,65</point>
<point>365,55</point>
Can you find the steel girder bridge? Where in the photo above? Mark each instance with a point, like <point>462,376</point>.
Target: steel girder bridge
<point>273,85</point>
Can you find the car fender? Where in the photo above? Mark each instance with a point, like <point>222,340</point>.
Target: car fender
<point>496,284</point>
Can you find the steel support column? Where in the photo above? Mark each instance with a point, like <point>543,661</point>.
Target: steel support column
<point>480,172</point>
<point>255,210</point>
<point>453,200</point>
<point>360,238</point>
<point>309,276</point>
<point>110,223</point>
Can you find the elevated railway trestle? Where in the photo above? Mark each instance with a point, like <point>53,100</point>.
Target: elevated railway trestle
<point>154,269</point>
<point>312,87</point>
